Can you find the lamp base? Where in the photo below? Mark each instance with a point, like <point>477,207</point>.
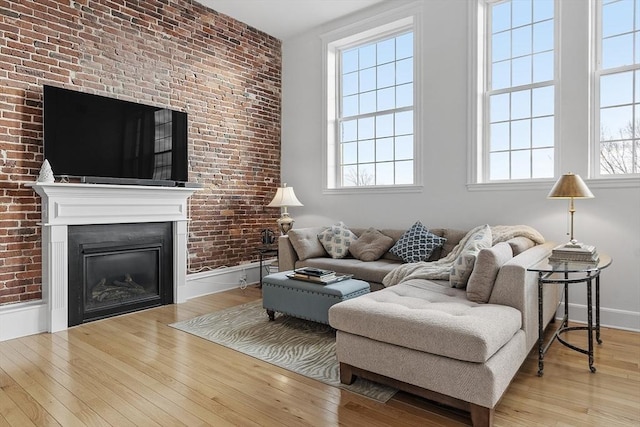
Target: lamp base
<point>285,223</point>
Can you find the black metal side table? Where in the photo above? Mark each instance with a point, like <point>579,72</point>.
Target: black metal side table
<point>566,273</point>
<point>265,251</point>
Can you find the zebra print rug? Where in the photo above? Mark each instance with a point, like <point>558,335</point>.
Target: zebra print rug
<point>301,346</point>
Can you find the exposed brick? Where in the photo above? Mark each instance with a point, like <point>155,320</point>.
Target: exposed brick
<point>174,53</point>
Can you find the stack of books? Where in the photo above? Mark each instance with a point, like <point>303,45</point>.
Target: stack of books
<point>317,275</point>
<point>574,253</point>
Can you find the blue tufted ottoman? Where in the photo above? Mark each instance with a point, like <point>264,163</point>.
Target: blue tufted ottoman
<point>306,300</point>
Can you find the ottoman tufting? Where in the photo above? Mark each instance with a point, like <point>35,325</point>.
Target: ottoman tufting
<point>306,300</point>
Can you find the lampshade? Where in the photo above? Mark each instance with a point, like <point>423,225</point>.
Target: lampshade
<point>284,197</point>
<point>570,186</point>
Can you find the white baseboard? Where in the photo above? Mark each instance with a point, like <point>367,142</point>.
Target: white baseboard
<point>609,317</point>
<point>22,319</point>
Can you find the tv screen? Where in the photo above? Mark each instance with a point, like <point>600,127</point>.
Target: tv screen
<point>102,139</point>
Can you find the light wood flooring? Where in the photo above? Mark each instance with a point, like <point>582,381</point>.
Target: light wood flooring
<point>134,370</point>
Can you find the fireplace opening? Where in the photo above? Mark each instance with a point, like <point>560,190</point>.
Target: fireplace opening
<point>118,268</point>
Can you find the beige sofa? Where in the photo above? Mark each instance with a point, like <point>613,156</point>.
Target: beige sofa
<point>428,338</point>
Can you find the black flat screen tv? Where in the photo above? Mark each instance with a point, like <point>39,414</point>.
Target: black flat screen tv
<point>106,140</point>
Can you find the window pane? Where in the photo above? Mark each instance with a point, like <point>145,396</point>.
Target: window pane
<point>617,158</point>
<point>617,18</point>
<point>542,163</point>
<point>404,95</point>
<point>616,89</point>
<point>501,46</point>
<point>366,151</point>
<point>499,137</point>
<point>367,56</point>
<point>350,84</point>
<point>617,51</point>
<point>367,102</point>
<point>501,17</point>
<point>350,153</point>
<point>386,51</point>
<point>384,125</point>
<point>521,71</point>
<point>543,36</point>
<point>404,172</point>
<point>367,79</point>
<point>616,123</point>
<point>404,71</point>
<point>350,61</point>
<point>404,148</point>
<point>521,41</point>
<point>384,173</point>
<point>501,75</point>
<point>521,12</point>
<point>542,134</point>
<point>520,164</point>
<point>542,102</point>
<point>386,99</point>
<point>350,176</point>
<point>520,134</point>
<point>542,67</point>
<point>404,123</point>
<point>365,128</point>
<point>404,46</point>
<point>366,174</point>
<point>350,105</point>
<point>384,149</point>
<point>499,108</point>
<point>499,166</point>
<point>520,104</point>
<point>349,130</point>
<point>542,9</point>
<point>386,75</point>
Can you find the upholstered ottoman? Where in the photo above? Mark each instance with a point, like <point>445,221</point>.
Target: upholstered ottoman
<point>306,300</point>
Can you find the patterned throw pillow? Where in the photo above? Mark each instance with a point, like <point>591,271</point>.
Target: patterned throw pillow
<point>463,264</point>
<point>337,239</point>
<point>416,244</point>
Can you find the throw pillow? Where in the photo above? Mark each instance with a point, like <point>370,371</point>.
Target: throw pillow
<point>485,271</point>
<point>305,242</point>
<point>337,239</point>
<point>479,238</point>
<point>371,245</point>
<point>416,244</point>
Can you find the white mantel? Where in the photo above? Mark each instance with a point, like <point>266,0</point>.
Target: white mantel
<point>65,204</point>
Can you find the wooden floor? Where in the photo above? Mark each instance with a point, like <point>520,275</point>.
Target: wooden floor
<point>134,370</point>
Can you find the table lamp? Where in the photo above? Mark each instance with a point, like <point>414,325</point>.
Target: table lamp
<point>284,198</point>
<point>570,186</point>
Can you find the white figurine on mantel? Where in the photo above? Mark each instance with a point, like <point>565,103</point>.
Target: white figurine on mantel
<point>46,173</point>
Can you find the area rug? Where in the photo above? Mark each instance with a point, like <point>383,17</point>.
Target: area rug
<point>301,346</point>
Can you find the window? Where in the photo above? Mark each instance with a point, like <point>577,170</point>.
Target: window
<point>618,78</point>
<point>371,107</point>
<point>519,113</point>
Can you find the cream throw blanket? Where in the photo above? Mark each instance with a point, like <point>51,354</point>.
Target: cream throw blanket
<point>440,269</point>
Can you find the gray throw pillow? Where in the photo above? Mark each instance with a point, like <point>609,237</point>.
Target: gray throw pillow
<point>371,245</point>
<point>417,244</point>
<point>305,242</point>
<point>463,264</point>
<point>337,239</point>
<point>486,270</point>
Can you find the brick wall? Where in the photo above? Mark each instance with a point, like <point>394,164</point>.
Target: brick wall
<point>170,53</point>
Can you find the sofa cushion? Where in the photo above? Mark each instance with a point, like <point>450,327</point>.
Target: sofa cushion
<point>416,244</point>
<point>485,271</point>
<point>305,242</point>
<point>337,239</point>
<point>431,317</point>
<point>520,244</point>
<point>371,245</point>
<point>463,264</point>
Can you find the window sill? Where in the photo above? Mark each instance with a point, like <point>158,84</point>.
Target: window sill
<point>546,184</point>
<point>396,189</point>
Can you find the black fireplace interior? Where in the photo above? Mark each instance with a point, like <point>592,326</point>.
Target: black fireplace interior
<point>118,268</point>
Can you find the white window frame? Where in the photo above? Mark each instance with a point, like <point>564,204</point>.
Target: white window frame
<point>407,17</point>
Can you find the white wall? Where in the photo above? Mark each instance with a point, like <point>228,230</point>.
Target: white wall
<point>611,221</point>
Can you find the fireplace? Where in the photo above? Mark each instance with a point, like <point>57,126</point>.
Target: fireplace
<point>118,268</point>
<point>67,205</point>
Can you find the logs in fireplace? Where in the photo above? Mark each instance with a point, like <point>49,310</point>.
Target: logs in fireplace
<point>118,268</point>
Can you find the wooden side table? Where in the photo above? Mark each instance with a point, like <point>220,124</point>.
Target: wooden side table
<point>567,273</point>
<point>265,251</point>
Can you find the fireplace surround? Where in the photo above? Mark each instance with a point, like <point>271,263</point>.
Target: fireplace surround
<point>71,204</point>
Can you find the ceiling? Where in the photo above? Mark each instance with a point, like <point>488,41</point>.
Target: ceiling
<point>286,18</point>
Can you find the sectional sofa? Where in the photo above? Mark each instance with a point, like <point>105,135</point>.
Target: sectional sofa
<point>457,342</point>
